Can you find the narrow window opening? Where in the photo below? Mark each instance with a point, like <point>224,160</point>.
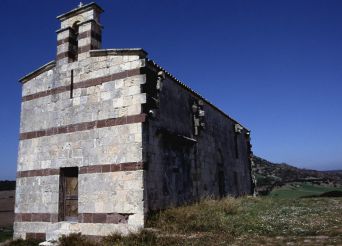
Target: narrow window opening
<point>237,130</point>
<point>72,84</point>
<point>68,196</point>
<point>74,42</point>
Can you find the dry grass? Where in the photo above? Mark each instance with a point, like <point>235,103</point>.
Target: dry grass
<point>242,221</point>
<point>206,216</point>
<point>74,240</point>
<point>247,220</point>
<point>145,237</point>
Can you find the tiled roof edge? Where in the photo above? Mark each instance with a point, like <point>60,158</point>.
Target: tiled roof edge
<point>153,63</point>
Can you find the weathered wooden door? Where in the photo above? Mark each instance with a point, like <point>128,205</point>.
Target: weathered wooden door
<point>68,207</point>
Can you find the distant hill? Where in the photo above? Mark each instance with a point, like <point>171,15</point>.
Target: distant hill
<point>333,171</point>
<point>270,175</point>
<point>7,185</point>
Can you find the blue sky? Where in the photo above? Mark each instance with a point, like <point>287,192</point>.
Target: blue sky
<point>275,66</point>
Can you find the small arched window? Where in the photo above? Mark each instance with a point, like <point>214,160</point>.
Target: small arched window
<point>74,41</point>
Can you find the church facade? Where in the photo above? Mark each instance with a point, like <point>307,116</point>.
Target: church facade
<point>107,135</point>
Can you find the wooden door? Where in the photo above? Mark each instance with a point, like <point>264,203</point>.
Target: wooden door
<point>71,199</point>
<point>68,208</point>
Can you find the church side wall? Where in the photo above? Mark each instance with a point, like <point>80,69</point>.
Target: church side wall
<point>183,167</point>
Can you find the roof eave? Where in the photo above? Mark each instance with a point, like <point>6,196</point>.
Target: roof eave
<point>154,64</point>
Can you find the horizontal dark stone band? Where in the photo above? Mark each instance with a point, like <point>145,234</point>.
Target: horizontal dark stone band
<point>89,33</point>
<point>84,126</point>
<point>105,168</point>
<point>84,84</point>
<point>46,93</point>
<point>111,218</point>
<point>36,236</point>
<point>69,54</point>
<point>85,34</point>
<point>36,217</point>
<point>66,40</point>
<point>85,48</point>
<point>35,173</point>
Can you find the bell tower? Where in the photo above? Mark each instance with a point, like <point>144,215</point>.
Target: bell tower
<point>80,32</point>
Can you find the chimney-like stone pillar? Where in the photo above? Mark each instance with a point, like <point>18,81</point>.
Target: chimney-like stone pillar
<point>80,32</point>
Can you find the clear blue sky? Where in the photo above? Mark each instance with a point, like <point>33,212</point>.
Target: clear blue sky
<point>275,66</point>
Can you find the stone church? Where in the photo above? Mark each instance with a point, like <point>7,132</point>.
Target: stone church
<point>107,135</point>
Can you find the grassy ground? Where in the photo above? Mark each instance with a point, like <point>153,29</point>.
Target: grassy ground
<point>242,221</point>
<point>253,221</point>
<point>297,190</point>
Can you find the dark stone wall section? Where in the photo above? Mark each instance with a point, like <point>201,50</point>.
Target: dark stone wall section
<point>186,165</point>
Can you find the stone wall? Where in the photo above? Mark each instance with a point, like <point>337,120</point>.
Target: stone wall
<point>37,194</point>
<point>112,99</point>
<point>183,167</point>
<point>97,128</point>
<point>116,144</point>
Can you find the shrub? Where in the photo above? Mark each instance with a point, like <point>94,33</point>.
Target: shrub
<point>75,239</point>
<point>144,237</point>
<point>204,216</point>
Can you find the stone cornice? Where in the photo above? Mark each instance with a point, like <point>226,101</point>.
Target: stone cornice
<point>80,10</point>
<point>120,52</point>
